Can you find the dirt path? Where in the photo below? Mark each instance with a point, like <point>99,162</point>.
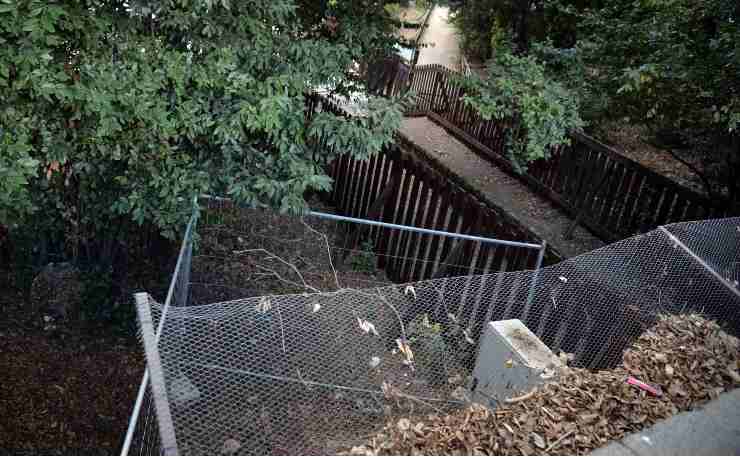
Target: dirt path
<point>444,45</point>
<point>535,212</point>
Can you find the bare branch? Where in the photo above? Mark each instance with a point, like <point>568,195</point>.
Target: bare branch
<point>270,255</point>
<point>287,281</point>
<point>526,396</point>
<point>398,315</point>
<point>328,250</point>
<point>558,441</point>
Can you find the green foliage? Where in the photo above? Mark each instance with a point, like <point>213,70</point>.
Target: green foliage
<point>517,91</point>
<point>430,349</point>
<point>475,21</point>
<point>16,169</point>
<point>669,65</point>
<point>366,260</point>
<point>114,114</point>
<point>667,61</point>
<point>673,66</point>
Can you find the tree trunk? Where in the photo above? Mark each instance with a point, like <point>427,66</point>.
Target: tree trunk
<point>521,38</point>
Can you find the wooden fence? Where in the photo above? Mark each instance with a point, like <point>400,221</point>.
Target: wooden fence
<point>612,195</point>
<point>595,317</point>
<point>406,189</point>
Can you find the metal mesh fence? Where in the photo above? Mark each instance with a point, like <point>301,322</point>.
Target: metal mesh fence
<point>324,350</point>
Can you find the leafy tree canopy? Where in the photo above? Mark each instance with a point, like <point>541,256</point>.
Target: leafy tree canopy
<point>670,65</point>
<point>674,66</point>
<point>119,111</point>
<point>517,90</point>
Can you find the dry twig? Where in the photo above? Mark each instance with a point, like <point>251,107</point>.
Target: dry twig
<point>557,442</point>
<point>526,396</point>
<point>328,250</point>
<point>271,255</point>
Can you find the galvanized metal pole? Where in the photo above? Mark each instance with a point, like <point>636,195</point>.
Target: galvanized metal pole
<point>535,278</point>
<point>187,241</point>
<point>461,236</point>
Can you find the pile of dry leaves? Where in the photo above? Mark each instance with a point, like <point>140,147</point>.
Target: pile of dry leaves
<point>687,358</point>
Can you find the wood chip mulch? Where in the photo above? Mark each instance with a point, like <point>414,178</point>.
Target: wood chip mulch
<point>689,359</point>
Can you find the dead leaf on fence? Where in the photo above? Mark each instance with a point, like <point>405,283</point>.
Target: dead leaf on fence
<point>264,305</point>
<point>367,326</point>
<point>410,290</point>
<point>405,350</point>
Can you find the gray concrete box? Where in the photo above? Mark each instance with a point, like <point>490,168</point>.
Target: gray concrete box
<point>511,360</point>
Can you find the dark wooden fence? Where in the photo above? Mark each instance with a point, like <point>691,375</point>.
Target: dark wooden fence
<point>610,298</point>
<point>612,195</point>
<point>406,189</point>
<point>612,294</point>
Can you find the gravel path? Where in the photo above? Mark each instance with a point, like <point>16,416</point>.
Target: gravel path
<point>502,190</point>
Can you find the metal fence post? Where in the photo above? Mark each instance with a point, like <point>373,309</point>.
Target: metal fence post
<point>535,278</point>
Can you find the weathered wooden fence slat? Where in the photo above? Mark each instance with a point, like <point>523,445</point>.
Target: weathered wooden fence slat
<point>619,210</point>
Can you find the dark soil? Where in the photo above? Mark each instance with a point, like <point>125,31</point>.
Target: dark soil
<point>71,390</point>
<point>631,142</point>
<point>248,253</point>
<point>63,392</point>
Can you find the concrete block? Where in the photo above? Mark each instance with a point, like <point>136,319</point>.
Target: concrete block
<point>511,360</point>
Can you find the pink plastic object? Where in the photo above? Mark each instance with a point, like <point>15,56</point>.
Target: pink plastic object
<point>646,387</point>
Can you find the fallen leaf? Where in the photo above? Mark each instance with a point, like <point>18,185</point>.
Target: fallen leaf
<point>264,305</point>
<point>410,290</point>
<point>403,424</point>
<point>367,327</point>
<point>539,441</point>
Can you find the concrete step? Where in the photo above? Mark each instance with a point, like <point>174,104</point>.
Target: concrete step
<point>713,429</point>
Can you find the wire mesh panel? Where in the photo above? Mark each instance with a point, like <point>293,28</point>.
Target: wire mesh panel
<point>715,242</point>
<point>146,433</point>
<point>285,347</point>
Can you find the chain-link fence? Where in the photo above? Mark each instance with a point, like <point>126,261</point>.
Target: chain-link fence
<point>294,342</point>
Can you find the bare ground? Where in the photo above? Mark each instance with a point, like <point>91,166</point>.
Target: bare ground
<point>71,390</point>
<point>630,141</point>
<point>62,393</point>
